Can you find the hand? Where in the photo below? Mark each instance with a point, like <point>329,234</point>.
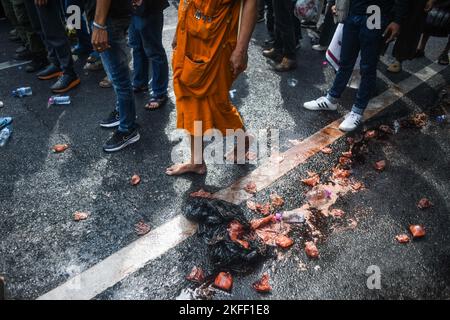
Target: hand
<point>238,62</point>
<point>40,3</point>
<point>429,5</point>
<point>100,40</point>
<point>392,31</point>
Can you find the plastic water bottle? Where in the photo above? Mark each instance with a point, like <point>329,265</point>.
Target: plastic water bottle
<point>295,216</point>
<point>22,92</point>
<point>292,82</point>
<point>4,135</point>
<point>59,100</point>
<point>441,119</point>
<point>318,197</point>
<point>396,126</point>
<point>5,121</point>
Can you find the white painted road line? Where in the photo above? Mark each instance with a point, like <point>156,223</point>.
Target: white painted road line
<point>136,255</point>
<point>12,64</point>
<point>121,264</point>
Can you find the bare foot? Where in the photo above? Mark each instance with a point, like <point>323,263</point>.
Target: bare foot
<point>180,169</point>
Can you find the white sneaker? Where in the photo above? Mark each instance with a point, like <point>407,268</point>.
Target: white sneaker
<point>321,104</point>
<point>318,47</point>
<point>351,122</point>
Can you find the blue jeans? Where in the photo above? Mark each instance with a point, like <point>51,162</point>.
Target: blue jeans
<point>83,34</point>
<point>357,37</point>
<point>145,38</point>
<point>115,62</point>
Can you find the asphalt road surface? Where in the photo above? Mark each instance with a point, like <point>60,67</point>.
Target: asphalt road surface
<point>45,254</point>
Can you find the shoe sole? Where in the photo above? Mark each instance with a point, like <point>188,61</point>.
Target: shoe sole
<point>72,85</point>
<point>110,125</point>
<point>126,144</point>
<point>51,76</point>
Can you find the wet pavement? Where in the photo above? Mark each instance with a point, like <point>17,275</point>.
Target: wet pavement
<point>42,247</point>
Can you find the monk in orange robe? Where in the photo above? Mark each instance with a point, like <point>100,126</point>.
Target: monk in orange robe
<point>210,51</point>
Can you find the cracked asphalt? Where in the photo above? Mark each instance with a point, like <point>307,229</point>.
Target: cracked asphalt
<point>41,247</point>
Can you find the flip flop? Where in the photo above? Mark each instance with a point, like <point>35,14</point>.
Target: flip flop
<point>160,102</point>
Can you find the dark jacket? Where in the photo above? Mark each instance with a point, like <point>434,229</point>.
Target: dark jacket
<point>146,7</point>
<point>395,10</point>
<point>119,9</point>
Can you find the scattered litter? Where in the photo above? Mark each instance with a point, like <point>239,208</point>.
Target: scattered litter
<point>347,154</point>
<point>350,140</point>
<point>292,82</point>
<point>263,285</point>
<point>327,150</point>
<point>311,250</point>
<point>233,93</point>
<point>5,134</point>
<point>386,129</point>
<point>397,126</point>
<point>201,194</point>
<point>419,120</point>
<point>402,238</point>
<point>357,186</point>
<point>1,104</point>
<point>345,161</point>
<point>313,180</point>
<point>135,180</point>
<point>22,92</point>
<point>424,204</point>
<point>252,205</point>
<point>270,232</point>
<point>259,223</point>
<point>276,200</point>
<point>214,218</point>
<point>284,242</point>
<point>59,100</point>
<point>337,213</point>
<point>296,216</point>
<point>417,231</point>
<point>59,148</point>
<point>352,224</point>
<point>380,165</point>
<point>318,196</point>
<point>196,275</point>
<point>236,232</point>
<point>79,216</point>
<point>5,121</point>
<point>317,268</point>
<point>439,119</point>
<point>251,188</point>
<point>340,174</point>
<point>370,134</point>
<point>224,281</point>
<point>142,228</point>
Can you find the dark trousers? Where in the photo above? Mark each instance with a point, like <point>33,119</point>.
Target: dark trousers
<point>83,34</point>
<point>285,37</point>
<point>115,62</point>
<point>145,38</point>
<point>328,29</point>
<point>270,18</point>
<point>357,37</point>
<point>55,37</point>
<point>36,43</point>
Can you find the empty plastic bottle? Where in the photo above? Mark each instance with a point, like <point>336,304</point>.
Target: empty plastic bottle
<point>4,135</point>
<point>396,126</point>
<point>441,119</point>
<point>292,82</point>
<point>296,216</point>
<point>318,197</point>
<point>22,92</point>
<point>5,121</point>
<point>59,100</point>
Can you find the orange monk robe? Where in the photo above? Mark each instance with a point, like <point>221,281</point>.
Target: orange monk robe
<point>206,37</point>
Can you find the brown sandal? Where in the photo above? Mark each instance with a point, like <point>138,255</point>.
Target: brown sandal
<point>159,102</point>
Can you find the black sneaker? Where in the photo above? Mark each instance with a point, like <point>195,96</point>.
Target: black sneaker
<point>50,72</point>
<point>120,140</point>
<point>65,83</point>
<point>112,121</point>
